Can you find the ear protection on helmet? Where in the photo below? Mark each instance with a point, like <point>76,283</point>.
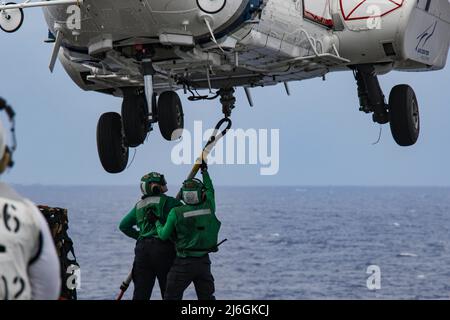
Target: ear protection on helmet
<point>153,183</point>
<point>156,189</point>
<point>7,160</point>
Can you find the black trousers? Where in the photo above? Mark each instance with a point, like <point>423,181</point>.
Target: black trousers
<point>153,259</point>
<point>187,270</point>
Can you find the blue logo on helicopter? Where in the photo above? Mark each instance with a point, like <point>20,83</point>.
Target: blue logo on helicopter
<point>423,39</point>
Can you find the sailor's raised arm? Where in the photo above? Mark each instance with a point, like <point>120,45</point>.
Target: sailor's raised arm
<point>166,230</point>
<point>207,182</point>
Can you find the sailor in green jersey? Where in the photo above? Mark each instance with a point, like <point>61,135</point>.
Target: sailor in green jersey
<point>153,256</point>
<point>195,229</point>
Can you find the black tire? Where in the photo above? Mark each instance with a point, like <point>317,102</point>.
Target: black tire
<point>110,143</point>
<point>170,115</point>
<point>214,11</point>
<point>404,115</point>
<point>20,23</point>
<point>135,119</point>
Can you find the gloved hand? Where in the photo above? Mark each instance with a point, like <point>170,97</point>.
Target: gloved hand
<point>204,166</point>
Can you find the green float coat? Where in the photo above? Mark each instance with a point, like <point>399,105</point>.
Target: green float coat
<point>195,227</point>
<point>161,206</point>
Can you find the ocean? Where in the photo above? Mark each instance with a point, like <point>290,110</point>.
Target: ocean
<point>283,242</point>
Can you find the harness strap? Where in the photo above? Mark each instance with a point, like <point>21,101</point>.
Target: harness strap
<point>213,249</point>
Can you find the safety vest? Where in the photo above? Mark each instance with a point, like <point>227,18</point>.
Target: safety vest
<point>19,244</point>
<point>197,230</point>
<point>149,204</point>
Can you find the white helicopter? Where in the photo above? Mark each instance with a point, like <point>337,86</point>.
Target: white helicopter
<point>146,50</point>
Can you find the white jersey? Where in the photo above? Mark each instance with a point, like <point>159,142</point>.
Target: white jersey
<point>29,267</point>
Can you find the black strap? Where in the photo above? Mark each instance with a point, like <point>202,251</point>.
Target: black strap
<point>213,249</point>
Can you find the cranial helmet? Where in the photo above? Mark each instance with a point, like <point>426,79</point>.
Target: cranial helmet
<point>151,179</point>
<point>192,191</point>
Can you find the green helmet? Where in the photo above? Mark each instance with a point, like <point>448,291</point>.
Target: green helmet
<point>192,191</point>
<point>149,179</point>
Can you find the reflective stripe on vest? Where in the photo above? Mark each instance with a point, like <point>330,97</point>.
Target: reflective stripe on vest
<point>196,213</point>
<point>147,201</point>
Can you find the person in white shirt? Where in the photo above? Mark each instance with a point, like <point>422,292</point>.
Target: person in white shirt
<point>29,265</point>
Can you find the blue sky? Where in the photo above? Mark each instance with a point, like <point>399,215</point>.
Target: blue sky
<point>324,139</point>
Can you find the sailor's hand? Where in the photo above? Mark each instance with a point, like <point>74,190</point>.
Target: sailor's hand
<point>204,166</point>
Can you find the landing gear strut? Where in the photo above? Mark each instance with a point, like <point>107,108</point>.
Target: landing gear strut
<point>371,97</point>
<point>402,111</point>
<point>169,112</point>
